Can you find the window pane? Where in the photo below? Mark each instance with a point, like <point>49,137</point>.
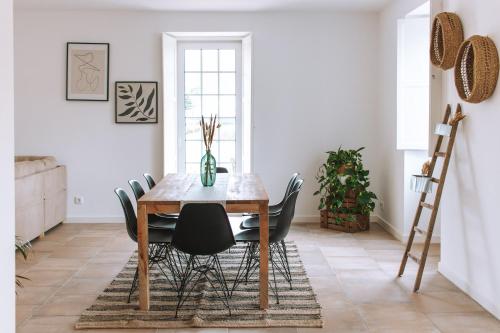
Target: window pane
<point>210,83</point>
<point>193,168</point>
<point>227,106</point>
<point>209,60</point>
<point>192,105</point>
<point>193,151</point>
<point>192,60</point>
<point>210,105</point>
<point>227,83</point>
<point>226,60</point>
<point>192,83</point>
<point>227,129</point>
<point>227,152</point>
<point>193,129</point>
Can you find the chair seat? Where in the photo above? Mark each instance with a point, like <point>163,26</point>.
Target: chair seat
<point>252,235</point>
<point>253,222</point>
<point>157,222</point>
<point>273,211</point>
<point>160,235</point>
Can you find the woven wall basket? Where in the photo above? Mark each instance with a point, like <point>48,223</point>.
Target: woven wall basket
<point>476,69</point>
<point>446,37</point>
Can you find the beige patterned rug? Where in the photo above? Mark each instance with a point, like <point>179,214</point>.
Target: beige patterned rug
<point>297,307</point>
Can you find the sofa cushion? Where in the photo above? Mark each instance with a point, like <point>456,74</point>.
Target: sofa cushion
<point>28,165</point>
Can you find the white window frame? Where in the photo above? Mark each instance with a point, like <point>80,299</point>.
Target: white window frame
<point>181,141</point>
<point>170,42</point>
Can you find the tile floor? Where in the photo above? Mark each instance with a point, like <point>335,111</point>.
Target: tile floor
<point>353,276</point>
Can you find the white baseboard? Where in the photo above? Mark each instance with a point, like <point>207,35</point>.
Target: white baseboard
<point>399,236</point>
<point>485,301</point>
<point>95,219</point>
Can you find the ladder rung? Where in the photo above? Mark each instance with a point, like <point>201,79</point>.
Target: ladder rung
<point>420,231</point>
<point>440,154</point>
<point>426,205</point>
<point>435,180</point>
<point>414,257</point>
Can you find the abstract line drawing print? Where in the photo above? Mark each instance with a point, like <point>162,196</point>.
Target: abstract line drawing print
<point>89,73</point>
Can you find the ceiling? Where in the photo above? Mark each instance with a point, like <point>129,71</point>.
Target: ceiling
<point>202,5</point>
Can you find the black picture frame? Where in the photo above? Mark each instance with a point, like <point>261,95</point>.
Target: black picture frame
<point>145,102</point>
<point>75,96</point>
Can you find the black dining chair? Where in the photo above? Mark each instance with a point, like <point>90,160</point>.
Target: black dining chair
<point>277,248</point>
<point>160,251</point>
<point>221,170</point>
<point>252,222</point>
<point>154,220</point>
<point>150,180</point>
<point>203,231</point>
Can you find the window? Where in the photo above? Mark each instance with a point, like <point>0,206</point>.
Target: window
<point>413,80</point>
<point>209,76</point>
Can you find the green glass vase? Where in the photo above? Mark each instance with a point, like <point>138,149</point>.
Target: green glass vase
<point>208,169</point>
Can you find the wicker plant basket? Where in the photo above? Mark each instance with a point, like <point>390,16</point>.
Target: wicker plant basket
<point>446,37</point>
<point>342,222</point>
<point>476,69</point>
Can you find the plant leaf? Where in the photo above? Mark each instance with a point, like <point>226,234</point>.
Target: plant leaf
<point>150,99</point>
<point>141,119</point>
<point>125,97</point>
<point>141,102</point>
<point>130,87</point>
<point>129,104</point>
<point>151,111</point>
<point>139,92</point>
<point>134,114</point>
<point>127,111</point>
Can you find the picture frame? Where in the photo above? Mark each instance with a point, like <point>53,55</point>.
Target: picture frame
<point>136,102</point>
<point>87,71</point>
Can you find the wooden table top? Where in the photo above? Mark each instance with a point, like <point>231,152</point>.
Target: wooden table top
<point>241,189</point>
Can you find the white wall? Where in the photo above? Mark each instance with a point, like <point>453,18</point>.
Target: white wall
<point>7,298</point>
<point>315,79</point>
<point>391,177</point>
<point>469,212</point>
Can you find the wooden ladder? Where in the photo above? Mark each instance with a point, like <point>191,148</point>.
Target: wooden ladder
<point>435,206</point>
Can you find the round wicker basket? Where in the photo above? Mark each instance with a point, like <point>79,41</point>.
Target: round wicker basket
<point>476,69</point>
<point>446,36</point>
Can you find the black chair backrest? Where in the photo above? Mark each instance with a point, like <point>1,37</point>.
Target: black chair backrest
<point>149,179</point>
<point>297,185</point>
<point>221,170</point>
<point>288,190</point>
<point>203,229</point>
<point>285,219</point>
<point>136,188</point>
<point>128,210</point>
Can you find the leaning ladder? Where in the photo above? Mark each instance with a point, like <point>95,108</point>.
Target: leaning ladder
<point>420,260</point>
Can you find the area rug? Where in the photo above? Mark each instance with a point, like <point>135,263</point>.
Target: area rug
<point>297,307</point>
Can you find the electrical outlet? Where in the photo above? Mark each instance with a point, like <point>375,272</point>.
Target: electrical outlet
<point>78,200</point>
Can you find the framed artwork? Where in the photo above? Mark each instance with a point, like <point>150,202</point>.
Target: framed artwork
<point>136,102</point>
<point>87,71</point>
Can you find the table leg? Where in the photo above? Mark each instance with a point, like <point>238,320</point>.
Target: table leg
<point>264,250</point>
<point>142,243</point>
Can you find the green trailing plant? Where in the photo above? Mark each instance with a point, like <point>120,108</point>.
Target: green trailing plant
<point>343,177</point>
<point>25,249</point>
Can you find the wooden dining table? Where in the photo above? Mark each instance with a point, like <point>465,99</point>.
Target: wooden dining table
<point>243,193</point>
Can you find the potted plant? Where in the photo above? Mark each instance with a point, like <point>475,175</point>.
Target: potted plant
<point>24,248</point>
<point>345,201</point>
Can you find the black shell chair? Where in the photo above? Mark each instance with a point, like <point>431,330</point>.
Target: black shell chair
<point>159,242</point>
<point>154,220</point>
<point>202,232</point>
<point>252,222</point>
<point>277,247</point>
<point>221,170</point>
<point>150,180</point>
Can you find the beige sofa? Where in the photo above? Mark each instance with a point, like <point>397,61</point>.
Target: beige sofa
<point>40,195</point>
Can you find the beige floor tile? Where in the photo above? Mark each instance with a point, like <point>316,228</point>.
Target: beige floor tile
<point>352,263</point>
<point>445,301</point>
<point>353,275</point>
<point>465,322</point>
